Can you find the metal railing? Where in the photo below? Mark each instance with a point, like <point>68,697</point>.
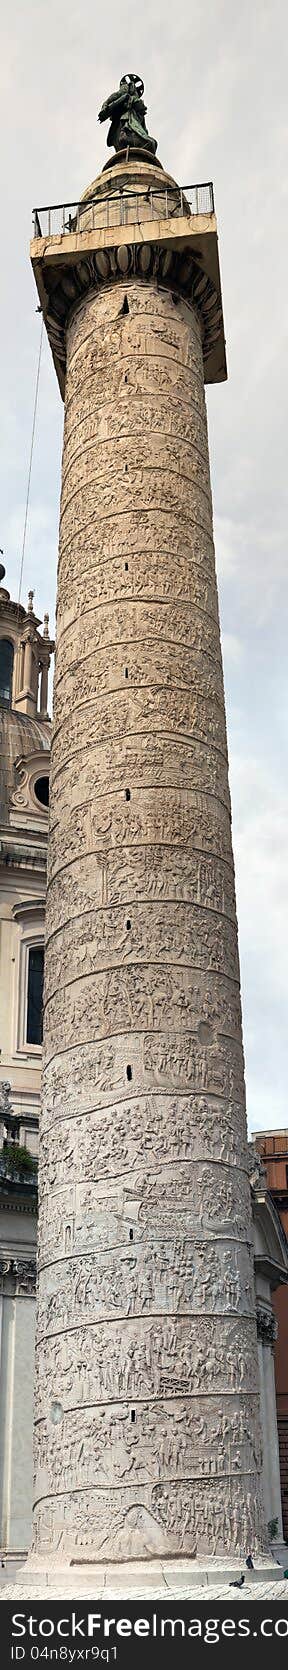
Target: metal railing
<point>130,206</point>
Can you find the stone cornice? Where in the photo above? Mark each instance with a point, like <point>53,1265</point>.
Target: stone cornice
<point>20,856</point>
<point>28,909</point>
<point>26,624</point>
<point>27,1208</point>
<point>16,611</point>
<point>13,1203</point>
<point>170,254</point>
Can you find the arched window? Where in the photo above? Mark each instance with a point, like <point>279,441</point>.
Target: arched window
<point>34,1030</point>
<point>6,671</point>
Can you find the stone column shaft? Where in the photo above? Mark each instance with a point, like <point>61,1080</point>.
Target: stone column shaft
<point>147,1420</point>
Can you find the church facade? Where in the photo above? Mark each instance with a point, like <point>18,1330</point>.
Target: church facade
<point>25,756</point>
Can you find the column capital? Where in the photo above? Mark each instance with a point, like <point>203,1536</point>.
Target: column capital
<point>267,1327</point>
<point>22,1272</point>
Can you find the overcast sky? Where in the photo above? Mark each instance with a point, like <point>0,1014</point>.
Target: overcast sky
<point>216,77</point>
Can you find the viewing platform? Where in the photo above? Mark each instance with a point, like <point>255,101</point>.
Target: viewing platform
<point>133,221</point>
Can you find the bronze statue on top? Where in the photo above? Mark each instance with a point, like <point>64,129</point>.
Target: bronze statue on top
<point>126,111</point>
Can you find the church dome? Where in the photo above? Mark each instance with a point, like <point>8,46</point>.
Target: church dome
<point>20,738</point>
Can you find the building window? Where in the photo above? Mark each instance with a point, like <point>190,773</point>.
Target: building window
<point>6,671</point>
<point>41,790</point>
<point>34,1032</point>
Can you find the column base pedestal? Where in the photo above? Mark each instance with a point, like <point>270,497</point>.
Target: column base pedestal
<point>149,1580</point>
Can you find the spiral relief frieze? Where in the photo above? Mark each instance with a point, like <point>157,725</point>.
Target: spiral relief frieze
<point>147,1417</point>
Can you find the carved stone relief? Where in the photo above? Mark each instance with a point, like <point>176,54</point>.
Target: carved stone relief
<point>206,1199</point>
<point>189,877</point>
<point>171,1439</point>
<point>150,1128</point>
<point>147,1419</point>
<point>93,1364</point>
<point>181,817</point>
<point>173,1276</point>
<point>168,933</point>
<point>149,762</point>
<point>138,711</point>
<point>143,664</point>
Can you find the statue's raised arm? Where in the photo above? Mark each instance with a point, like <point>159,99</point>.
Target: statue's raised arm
<point>112,106</point>
<point>126,111</point>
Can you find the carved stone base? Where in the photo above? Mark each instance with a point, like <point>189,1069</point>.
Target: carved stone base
<point>152,1579</point>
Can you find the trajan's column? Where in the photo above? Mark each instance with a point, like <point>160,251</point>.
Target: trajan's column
<point>147,1414</point>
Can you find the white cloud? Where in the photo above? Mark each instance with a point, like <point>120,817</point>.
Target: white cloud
<point>232,648</point>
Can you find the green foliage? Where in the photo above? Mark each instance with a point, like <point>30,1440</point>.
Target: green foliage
<point>273,1529</point>
<point>16,1161</point>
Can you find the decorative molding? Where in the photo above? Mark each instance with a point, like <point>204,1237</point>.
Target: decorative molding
<point>25,1274</point>
<point>30,918</point>
<point>22,1271</point>
<point>29,910</point>
<point>256,1168</point>
<point>27,769</point>
<point>6,1110</point>
<point>174,269</point>
<point>267,1327</point>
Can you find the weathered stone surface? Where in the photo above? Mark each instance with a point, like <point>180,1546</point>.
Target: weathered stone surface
<point>117,823</point>
<point>142,1520</point>
<point>175,1437</point>
<point>147,1421</point>
<point>94,1363</point>
<point>193,878</point>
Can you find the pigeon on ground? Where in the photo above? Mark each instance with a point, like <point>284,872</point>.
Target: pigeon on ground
<point>238,1582</point>
<point>250,1562</point>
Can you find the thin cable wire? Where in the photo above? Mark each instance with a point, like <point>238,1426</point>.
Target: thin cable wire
<point>30,461</point>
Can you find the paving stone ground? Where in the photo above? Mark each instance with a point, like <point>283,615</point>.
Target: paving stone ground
<point>69,1590</point>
